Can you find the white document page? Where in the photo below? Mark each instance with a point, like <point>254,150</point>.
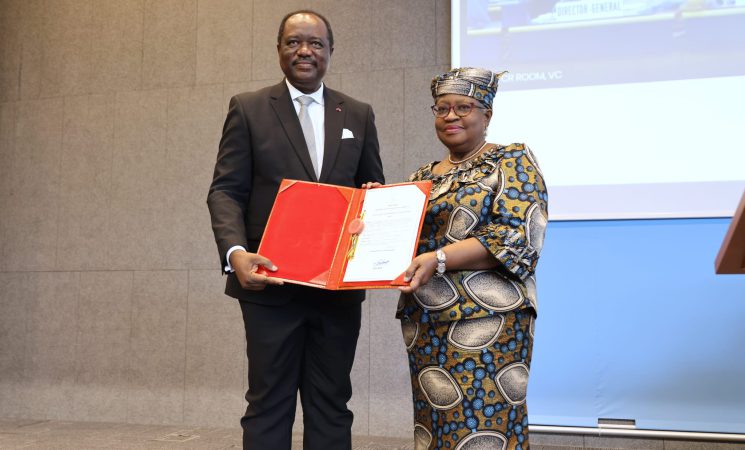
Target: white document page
<point>386,244</point>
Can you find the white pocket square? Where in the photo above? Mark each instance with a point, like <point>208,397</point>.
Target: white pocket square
<point>346,134</point>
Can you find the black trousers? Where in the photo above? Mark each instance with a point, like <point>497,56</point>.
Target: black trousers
<point>306,345</point>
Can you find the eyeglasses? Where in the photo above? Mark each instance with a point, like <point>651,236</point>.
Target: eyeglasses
<point>460,109</point>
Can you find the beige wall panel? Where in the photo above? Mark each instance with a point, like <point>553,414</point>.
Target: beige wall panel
<point>442,27</point>
<point>137,239</point>
<point>117,47</point>
<point>68,36</point>
<point>332,80</point>
<point>103,344</point>
<point>195,118</point>
<point>7,136</point>
<point>31,38</point>
<point>158,346</point>
<point>52,317</point>
<point>10,51</point>
<point>384,90</point>
<point>223,41</point>
<point>404,33</point>
<point>215,353</point>
<point>231,89</point>
<point>391,412</point>
<point>14,298</point>
<point>422,145</point>
<point>351,22</point>
<point>7,148</point>
<point>169,53</point>
<point>32,206</point>
<point>85,183</point>
<point>266,17</point>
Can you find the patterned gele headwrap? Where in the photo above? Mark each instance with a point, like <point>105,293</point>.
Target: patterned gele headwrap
<point>480,84</point>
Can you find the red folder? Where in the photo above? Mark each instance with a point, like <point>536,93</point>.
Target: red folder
<point>308,234</point>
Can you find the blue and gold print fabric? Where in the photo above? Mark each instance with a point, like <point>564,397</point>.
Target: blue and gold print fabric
<point>500,199</point>
<point>469,333</point>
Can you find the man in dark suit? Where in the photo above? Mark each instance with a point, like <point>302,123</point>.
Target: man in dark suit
<point>298,338</point>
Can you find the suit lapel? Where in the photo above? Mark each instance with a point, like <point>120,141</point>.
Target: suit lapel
<point>282,104</point>
<point>334,122</point>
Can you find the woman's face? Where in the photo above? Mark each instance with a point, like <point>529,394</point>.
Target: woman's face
<point>461,134</point>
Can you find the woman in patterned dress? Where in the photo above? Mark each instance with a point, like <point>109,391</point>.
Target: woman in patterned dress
<point>467,317</point>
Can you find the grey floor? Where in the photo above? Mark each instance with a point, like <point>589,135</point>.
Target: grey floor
<point>61,435</point>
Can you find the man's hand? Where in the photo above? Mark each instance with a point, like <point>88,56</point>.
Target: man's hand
<point>246,264</point>
<point>421,269</point>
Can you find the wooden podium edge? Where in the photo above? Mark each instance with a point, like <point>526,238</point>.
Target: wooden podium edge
<point>731,256</point>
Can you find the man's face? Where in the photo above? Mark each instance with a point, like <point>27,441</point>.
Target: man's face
<point>304,51</point>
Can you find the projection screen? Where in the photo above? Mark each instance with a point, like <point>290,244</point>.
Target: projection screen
<point>634,108</point>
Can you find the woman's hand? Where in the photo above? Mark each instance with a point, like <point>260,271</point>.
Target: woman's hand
<point>421,269</point>
<point>468,254</point>
<point>370,185</point>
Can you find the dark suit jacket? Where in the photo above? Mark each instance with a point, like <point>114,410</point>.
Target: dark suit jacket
<point>262,143</point>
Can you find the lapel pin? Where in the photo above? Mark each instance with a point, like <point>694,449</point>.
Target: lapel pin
<point>338,108</point>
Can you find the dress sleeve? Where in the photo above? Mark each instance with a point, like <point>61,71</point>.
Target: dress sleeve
<point>518,214</point>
